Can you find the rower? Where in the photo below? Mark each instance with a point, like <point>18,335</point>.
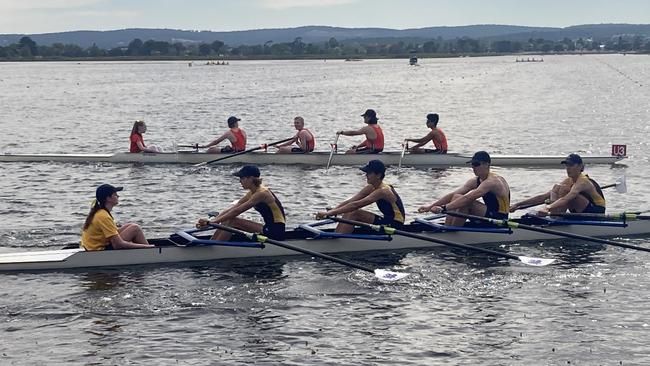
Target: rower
<point>235,135</point>
<point>376,191</point>
<point>491,187</point>
<point>137,141</point>
<point>374,142</point>
<point>578,193</point>
<point>435,135</point>
<point>304,140</point>
<point>100,231</point>
<point>259,198</point>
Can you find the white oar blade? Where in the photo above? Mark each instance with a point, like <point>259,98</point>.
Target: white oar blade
<point>389,276</point>
<point>621,186</point>
<point>538,262</point>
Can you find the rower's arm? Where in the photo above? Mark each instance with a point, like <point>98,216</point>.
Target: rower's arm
<point>294,139</point>
<point>421,141</point>
<point>472,195</point>
<point>218,140</point>
<point>357,204</point>
<point>240,208</point>
<point>360,131</point>
<point>533,201</point>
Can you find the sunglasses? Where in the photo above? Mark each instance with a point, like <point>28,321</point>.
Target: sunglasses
<point>475,163</point>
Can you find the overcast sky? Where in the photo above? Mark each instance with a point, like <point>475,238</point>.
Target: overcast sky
<point>41,16</point>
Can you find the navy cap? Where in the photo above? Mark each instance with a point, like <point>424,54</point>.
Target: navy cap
<point>572,159</point>
<point>480,157</point>
<point>248,171</point>
<point>433,117</point>
<point>106,190</point>
<point>370,113</point>
<point>232,120</point>
<point>374,166</point>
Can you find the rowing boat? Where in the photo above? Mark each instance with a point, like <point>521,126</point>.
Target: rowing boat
<point>312,159</point>
<point>187,246</point>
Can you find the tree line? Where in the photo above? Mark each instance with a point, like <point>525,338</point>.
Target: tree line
<point>27,49</point>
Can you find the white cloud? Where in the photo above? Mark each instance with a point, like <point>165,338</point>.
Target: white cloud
<point>285,4</point>
<point>7,5</point>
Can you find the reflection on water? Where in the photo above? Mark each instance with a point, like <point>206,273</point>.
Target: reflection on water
<point>456,307</point>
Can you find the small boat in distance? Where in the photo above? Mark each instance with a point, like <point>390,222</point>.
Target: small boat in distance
<point>529,59</point>
<point>413,61</point>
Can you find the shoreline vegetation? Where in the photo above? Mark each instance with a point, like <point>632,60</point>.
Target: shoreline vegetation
<point>137,50</point>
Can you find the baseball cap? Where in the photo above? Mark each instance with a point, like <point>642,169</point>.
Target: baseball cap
<point>572,159</point>
<point>106,190</point>
<point>374,166</point>
<point>480,157</point>
<point>247,171</point>
<point>369,113</point>
<point>233,119</point>
<point>432,117</point>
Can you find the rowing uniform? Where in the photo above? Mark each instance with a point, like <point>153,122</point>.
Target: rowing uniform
<point>272,214</point>
<point>496,207</point>
<point>596,198</point>
<point>393,212</point>
<point>135,137</point>
<point>239,144</point>
<point>310,143</point>
<point>98,234</point>
<point>439,142</point>
<point>375,146</point>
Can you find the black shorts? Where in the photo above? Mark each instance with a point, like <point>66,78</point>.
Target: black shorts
<point>435,151</point>
<point>365,150</point>
<point>274,231</point>
<point>392,223</point>
<point>229,149</point>
<point>496,215</point>
<point>297,150</point>
<point>591,208</point>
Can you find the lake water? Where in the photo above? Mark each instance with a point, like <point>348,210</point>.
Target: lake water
<point>455,308</point>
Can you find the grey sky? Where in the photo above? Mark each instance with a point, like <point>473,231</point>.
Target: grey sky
<point>38,16</point>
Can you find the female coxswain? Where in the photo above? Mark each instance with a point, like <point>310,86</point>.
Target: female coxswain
<point>137,141</point>
<point>100,231</point>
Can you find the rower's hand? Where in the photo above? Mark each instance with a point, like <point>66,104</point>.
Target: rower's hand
<point>514,207</point>
<point>321,215</point>
<point>339,132</point>
<point>202,223</point>
<point>424,208</point>
<point>543,212</point>
<point>437,209</point>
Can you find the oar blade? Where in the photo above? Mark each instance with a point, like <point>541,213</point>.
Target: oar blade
<point>537,262</point>
<point>389,276</point>
<point>621,186</point>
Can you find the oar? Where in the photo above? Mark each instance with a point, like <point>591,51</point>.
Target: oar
<point>516,225</point>
<point>390,231</point>
<point>612,216</point>
<point>405,145</point>
<point>333,146</point>
<point>240,153</point>
<point>620,185</point>
<point>382,274</point>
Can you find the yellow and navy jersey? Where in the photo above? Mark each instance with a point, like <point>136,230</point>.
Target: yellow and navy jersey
<point>596,196</point>
<point>393,211</point>
<point>271,213</point>
<point>494,203</point>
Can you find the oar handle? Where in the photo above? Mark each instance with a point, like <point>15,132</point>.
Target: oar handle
<point>516,225</point>
<point>390,231</point>
<point>264,239</point>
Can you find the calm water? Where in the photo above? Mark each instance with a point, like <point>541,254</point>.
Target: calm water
<point>456,308</point>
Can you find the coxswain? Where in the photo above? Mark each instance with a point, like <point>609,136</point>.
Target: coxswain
<point>435,135</point>
<point>235,135</point>
<point>491,187</point>
<point>259,198</point>
<point>304,140</point>
<point>100,232</point>
<point>374,142</point>
<point>376,191</point>
<point>137,141</point>
<point>577,193</point>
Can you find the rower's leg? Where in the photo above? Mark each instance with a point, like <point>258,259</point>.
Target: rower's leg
<point>578,204</point>
<point>416,150</point>
<point>213,150</point>
<point>358,215</point>
<point>133,232</point>
<point>459,221</point>
<point>237,223</point>
<point>559,191</point>
<point>284,150</point>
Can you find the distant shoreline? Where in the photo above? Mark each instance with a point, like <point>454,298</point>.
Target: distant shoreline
<point>310,57</point>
